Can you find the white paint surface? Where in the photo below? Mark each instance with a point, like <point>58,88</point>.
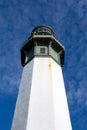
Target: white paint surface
<point>48,109</point>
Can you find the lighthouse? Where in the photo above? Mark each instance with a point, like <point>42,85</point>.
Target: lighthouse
<point>42,102</point>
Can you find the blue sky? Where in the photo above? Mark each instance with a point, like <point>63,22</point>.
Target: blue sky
<point>68,18</point>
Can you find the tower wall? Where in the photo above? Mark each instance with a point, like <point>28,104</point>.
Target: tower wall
<point>22,105</point>
<point>42,102</point>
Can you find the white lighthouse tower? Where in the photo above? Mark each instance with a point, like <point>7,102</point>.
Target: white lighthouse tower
<point>42,102</point>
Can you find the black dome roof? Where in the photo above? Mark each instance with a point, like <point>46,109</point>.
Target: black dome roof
<point>43,29</point>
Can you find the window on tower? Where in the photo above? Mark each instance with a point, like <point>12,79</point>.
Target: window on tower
<point>42,50</point>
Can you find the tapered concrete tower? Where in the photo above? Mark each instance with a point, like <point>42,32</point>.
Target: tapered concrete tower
<point>42,102</point>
